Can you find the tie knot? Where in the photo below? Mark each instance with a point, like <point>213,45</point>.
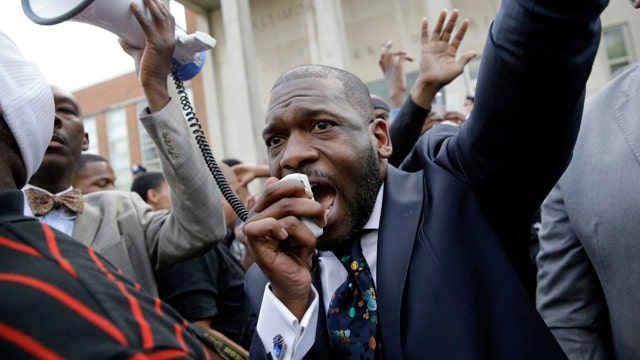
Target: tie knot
<point>41,203</point>
<point>352,258</point>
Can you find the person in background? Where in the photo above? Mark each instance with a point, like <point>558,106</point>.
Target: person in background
<point>468,105</point>
<point>442,242</point>
<point>153,189</point>
<point>392,65</point>
<point>380,108</point>
<point>60,299</point>
<point>93,173</point>
<point>589,259</point>
<point>118,224</point>
<point>207,290</point>
<point>238,245</point>
<point>137,170</point>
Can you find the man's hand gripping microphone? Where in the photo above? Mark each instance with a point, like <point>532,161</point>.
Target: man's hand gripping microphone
<point>317,230</point>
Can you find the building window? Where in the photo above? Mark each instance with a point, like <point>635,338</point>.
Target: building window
<point>119,158</point>
<point>150,158</point>
<point>617,45</point>
<point>178,12</point>
<point>91,129</point>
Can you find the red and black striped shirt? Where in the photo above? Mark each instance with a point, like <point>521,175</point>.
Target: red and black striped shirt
<point>61,300</point>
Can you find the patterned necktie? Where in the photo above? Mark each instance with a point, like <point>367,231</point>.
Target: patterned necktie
<point>42,203</point>
<point>352,318</point>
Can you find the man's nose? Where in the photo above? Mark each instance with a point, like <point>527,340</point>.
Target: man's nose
<point>298,152</point>
<point>57,121</point>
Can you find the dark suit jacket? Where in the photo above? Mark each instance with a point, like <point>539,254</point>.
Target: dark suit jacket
<point>454,230</point>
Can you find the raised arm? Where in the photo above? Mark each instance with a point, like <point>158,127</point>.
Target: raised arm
<point>196,221</point>
<point>438,67</point>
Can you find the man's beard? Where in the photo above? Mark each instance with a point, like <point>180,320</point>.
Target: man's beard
<point>360,203</point>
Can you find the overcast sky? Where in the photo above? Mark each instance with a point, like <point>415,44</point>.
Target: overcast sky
<point>72,55</point>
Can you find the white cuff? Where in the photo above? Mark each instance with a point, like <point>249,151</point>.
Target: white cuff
<point>276,321</point>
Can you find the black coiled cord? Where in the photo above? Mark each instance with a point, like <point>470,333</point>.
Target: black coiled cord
<point>194,123</point>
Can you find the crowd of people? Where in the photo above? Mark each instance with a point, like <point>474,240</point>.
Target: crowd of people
<point>426,215</point>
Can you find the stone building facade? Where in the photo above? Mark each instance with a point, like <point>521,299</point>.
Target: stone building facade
<point>260,39</point>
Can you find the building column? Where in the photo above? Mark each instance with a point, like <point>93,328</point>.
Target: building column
<point>242,117</point>
<point>330,35</point>
<point>432,10</point>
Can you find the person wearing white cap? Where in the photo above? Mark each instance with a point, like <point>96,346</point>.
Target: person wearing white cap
<point>59,298</point>
<point>26,104</point>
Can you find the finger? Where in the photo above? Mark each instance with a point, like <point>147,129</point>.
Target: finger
<point>424,31</point>
<point>383,61</point>
<point>457,39</point>
<point>466,57</point>
<point>139,15</point>
<point>387,47</point>
<point>289,206</point>
<point>301,242</point>
<point>270,181</point>
<point>160,13</point>
<point>286,197</point>
<point>251,201</point>
<point>451,24</point>
<point>438,29</point>
<point>265,231</point>
<point>151,5</point>
<point>157,17</point>
<point>635,3</point>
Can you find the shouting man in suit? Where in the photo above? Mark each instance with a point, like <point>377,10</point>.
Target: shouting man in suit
<point>445,237</point>
<point>120,225</point>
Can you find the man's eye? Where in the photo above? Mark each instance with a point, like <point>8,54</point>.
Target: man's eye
<point>66,111</point>
<point>273,141</point>
<point>322,125</point>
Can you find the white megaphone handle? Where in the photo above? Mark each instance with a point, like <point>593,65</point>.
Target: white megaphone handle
<point>315,229</point>
<point>189,45</point>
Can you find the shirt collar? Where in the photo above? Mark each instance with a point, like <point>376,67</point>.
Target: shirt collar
<point>374,220</point>
<point>27,209</point>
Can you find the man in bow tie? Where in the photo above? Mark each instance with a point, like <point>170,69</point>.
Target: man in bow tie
<point>120,225</point>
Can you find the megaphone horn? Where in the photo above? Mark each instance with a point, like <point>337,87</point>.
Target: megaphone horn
<point>115,16</point>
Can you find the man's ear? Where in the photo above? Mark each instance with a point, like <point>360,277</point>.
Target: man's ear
<point>85,142</point>
<point>380,131</point>
<point>152,197</point>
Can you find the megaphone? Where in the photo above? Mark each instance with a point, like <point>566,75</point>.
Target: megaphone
<point>115,16</point>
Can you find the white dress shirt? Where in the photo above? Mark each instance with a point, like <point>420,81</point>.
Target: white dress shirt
<point>60,218</point>
<point>299,336</point>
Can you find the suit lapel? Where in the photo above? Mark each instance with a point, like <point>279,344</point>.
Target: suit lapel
<point>626,110</point>
<point>401,214</point>
<point>86,225</point>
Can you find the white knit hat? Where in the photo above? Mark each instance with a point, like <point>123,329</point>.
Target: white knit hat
<point>26,103</point>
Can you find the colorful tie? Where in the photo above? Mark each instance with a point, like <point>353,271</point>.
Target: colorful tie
<point>42,203</point>
<point>352,318</point>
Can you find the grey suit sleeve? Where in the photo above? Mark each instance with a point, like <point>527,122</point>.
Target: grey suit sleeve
<point>196,222</point>
<point>569,296</point>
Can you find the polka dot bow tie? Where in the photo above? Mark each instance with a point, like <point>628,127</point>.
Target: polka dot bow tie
<point>42,203</point>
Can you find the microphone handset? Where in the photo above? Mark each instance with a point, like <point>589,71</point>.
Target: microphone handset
<point>317,230</point>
